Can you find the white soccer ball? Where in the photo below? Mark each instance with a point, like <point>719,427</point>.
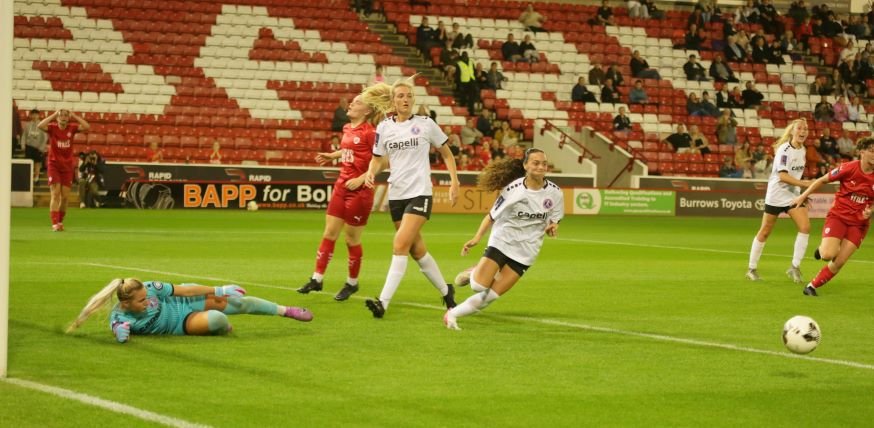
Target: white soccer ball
<point>801,334</point>
<point>252,206</point>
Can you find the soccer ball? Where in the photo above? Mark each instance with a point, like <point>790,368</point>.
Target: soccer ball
<point>252,206</point>
<point>801,334</point>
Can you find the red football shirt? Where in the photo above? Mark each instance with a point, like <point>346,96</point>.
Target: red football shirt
<point>61,143</point>
<point>356,149</point>
<point>855,193</point>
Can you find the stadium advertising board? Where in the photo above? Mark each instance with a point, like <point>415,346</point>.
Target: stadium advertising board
<point>720,204</point>
<point>623,202</point>
<point>226,195</point>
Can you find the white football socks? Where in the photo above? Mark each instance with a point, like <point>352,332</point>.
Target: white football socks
<point>756,253</point>
<point>428,266</point>
<point>474,304</point>
<point>800,248</point>
<point>393,279</point>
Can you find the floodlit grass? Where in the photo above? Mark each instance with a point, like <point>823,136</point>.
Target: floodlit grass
<point>558,350</point>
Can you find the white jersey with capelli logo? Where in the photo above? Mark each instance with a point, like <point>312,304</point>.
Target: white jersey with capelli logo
<point>521,216</point>
<point>791,160</point>
<point>407,145</point>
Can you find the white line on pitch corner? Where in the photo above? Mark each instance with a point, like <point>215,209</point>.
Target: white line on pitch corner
<point>104,404</point>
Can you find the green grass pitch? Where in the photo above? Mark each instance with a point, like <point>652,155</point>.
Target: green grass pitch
<point>621,322</point>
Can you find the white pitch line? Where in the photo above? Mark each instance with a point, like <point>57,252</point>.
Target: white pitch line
<point>104,404</point>
<point>653,336</point>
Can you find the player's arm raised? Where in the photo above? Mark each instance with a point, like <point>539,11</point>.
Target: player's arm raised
<point>44,124</point>
<point>84,126</point>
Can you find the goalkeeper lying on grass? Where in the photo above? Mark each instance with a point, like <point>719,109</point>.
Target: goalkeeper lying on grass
<point>155,307</point>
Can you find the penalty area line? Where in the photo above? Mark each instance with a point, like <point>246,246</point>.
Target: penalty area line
<point>103,404</point>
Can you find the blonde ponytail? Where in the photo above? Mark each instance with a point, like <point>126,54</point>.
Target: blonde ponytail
<point>122,288</point>
<point>380,96</point>
<point>787,133</point>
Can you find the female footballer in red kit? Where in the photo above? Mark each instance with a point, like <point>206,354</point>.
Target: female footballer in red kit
<point>351,201</point>
<point>848,219</point>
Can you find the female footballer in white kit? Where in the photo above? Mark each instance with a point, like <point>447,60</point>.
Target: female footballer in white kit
<point>783,188</point>
<point>404,140</point>
<point>528,208</point>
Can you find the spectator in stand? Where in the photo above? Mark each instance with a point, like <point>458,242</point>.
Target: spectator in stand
<point>707,105</point>
<point>423,111</point>
<point>426,37</point>
<point>804,31</point>
<point>728,28</point>
<point>720,71</point>
<point>652,9</point>
<point>846,148</point>
<point>856,110</point>
<point>742,154</point>
<point>824,112</point>
<point>448,58</point>
<point>506,135</point>
<point>828,147</point>
<point>798,11</point>
<point>695,18</point>
<point>614,74</point>
<point>769,18</point>
<point>470,135</point>
<point>494,78</point>
<point>813,159</point>
<point>637,95</point>
<point>636,9</point>
<point>848,70</point>
<point>776,52</point>
<point>483,153</point>
<point>154,153</point>
<point>820,86</point>
<point>857,28</point>
<point>464,163</point>
<point>621,122</point>
<point>34,140</point>
<point>511,50</point>
<point>215,156</point>
<point>737,96</point>
<point>481,77</point>
<point>529,52</point>
<point>743,41</point>
<point>458,39</point>
<point>641,69</point>
<point>441,35</point>
<point>680,141</point>
<point>751,96</point>
<point>724,98</point>
<point>788,42</point>
<point>831,27</point>
<point>609,94</point>
<point>466,85</point>
<point>733,51</point>
<point>841,110</point>
<point>695,107</point>
<point>581,94</point>
<point>532,21</point>
<point>694,70</point>
<point>596,74</point>
<point>699,144</point>
<point>728,170</point>
<point>484,123</point>
<point>604,15</point>
<point>760,51</point>
<point>340,117</point>
<point>747,13</point>
<point>726,128</point>
<point>694,39</point>
<point>453,140</point>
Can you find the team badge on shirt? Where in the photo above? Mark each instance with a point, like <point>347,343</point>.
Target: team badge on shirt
<point>547,203</point>
<point>415,130</point>
<point>153,302</point>
<point>356,140</point>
